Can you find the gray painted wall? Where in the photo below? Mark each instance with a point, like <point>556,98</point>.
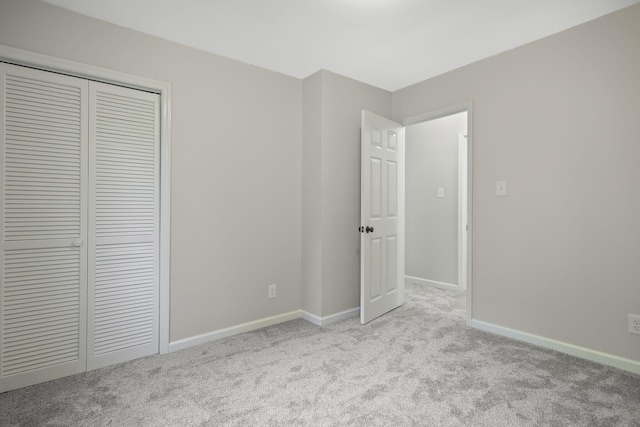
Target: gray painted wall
<point>311,250</point>
<point>431,222</point>
<point>331,242</point>
<point>235,215</point>
<point>558,120</point>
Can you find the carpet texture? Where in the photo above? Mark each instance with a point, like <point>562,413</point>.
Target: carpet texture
<point>416,366</point>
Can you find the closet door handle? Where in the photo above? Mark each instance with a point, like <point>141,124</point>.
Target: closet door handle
<point>76,243</point>
<point>369,229</point>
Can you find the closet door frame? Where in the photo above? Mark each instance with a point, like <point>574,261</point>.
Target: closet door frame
<point>163,89</point>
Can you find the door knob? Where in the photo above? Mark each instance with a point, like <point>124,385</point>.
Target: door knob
<point>369,229</point>
<point>76,243</point>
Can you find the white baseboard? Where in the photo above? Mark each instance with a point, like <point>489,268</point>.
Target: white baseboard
<point>233,330</point>
<point>332,318</point>
<point>574,350</point>
<point>261,323</point>
<point>427,282</point>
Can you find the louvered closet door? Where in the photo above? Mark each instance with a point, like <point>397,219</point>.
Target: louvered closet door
<point>43,138</point>
<point>123,225</point>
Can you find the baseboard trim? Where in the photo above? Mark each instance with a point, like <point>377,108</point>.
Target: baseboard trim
<point>427,282</point>
<point>625,364</point>
<point>233,330</point>
<point>332,318</point>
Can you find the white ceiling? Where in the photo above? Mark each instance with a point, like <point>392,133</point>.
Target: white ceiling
<point>390,44</point>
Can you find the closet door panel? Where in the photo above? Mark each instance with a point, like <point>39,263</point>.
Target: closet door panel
<point>43,142</point>
<point>123,225</point>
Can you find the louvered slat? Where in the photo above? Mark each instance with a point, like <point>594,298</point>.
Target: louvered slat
<point>124,260</point>
<point>114,288</point>
<point>43,289</point>
<point>135,119</point>
<point>27,170</point>
<point>44,129</point>
<point>38,282</point>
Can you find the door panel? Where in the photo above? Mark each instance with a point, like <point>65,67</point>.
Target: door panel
<point>392,263</point>
<point>375,192</point>
<point>43,138</point>
<point>392,186</point>
<point>382,216</point>
<point>123,225</point>
<point>375,270</point>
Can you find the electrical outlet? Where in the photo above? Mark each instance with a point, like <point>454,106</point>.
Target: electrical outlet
<point>272,291</point>
<point>634,324</point>
<point>501,188</point>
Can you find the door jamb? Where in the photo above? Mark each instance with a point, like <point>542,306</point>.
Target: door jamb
<point>436,114</point>
<point>163,89</point>
<point>463,228</point>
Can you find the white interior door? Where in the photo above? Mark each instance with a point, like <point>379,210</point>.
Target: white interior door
<point>381,216</point>
<point>43,143</point>
<point>124,206</point>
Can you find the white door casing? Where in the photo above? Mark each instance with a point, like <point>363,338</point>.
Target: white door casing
<point>381,216</point>
<point>163,89</point>
<point>462,211</point>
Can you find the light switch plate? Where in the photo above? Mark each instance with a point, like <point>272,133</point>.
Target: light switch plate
<point>440,192</point>
<point>501,188</point>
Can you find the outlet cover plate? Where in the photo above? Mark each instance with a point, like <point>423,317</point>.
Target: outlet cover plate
<point>501,188</point>
<point>634,324</point>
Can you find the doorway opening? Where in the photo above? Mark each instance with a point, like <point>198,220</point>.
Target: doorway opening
<point>438,200</point>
